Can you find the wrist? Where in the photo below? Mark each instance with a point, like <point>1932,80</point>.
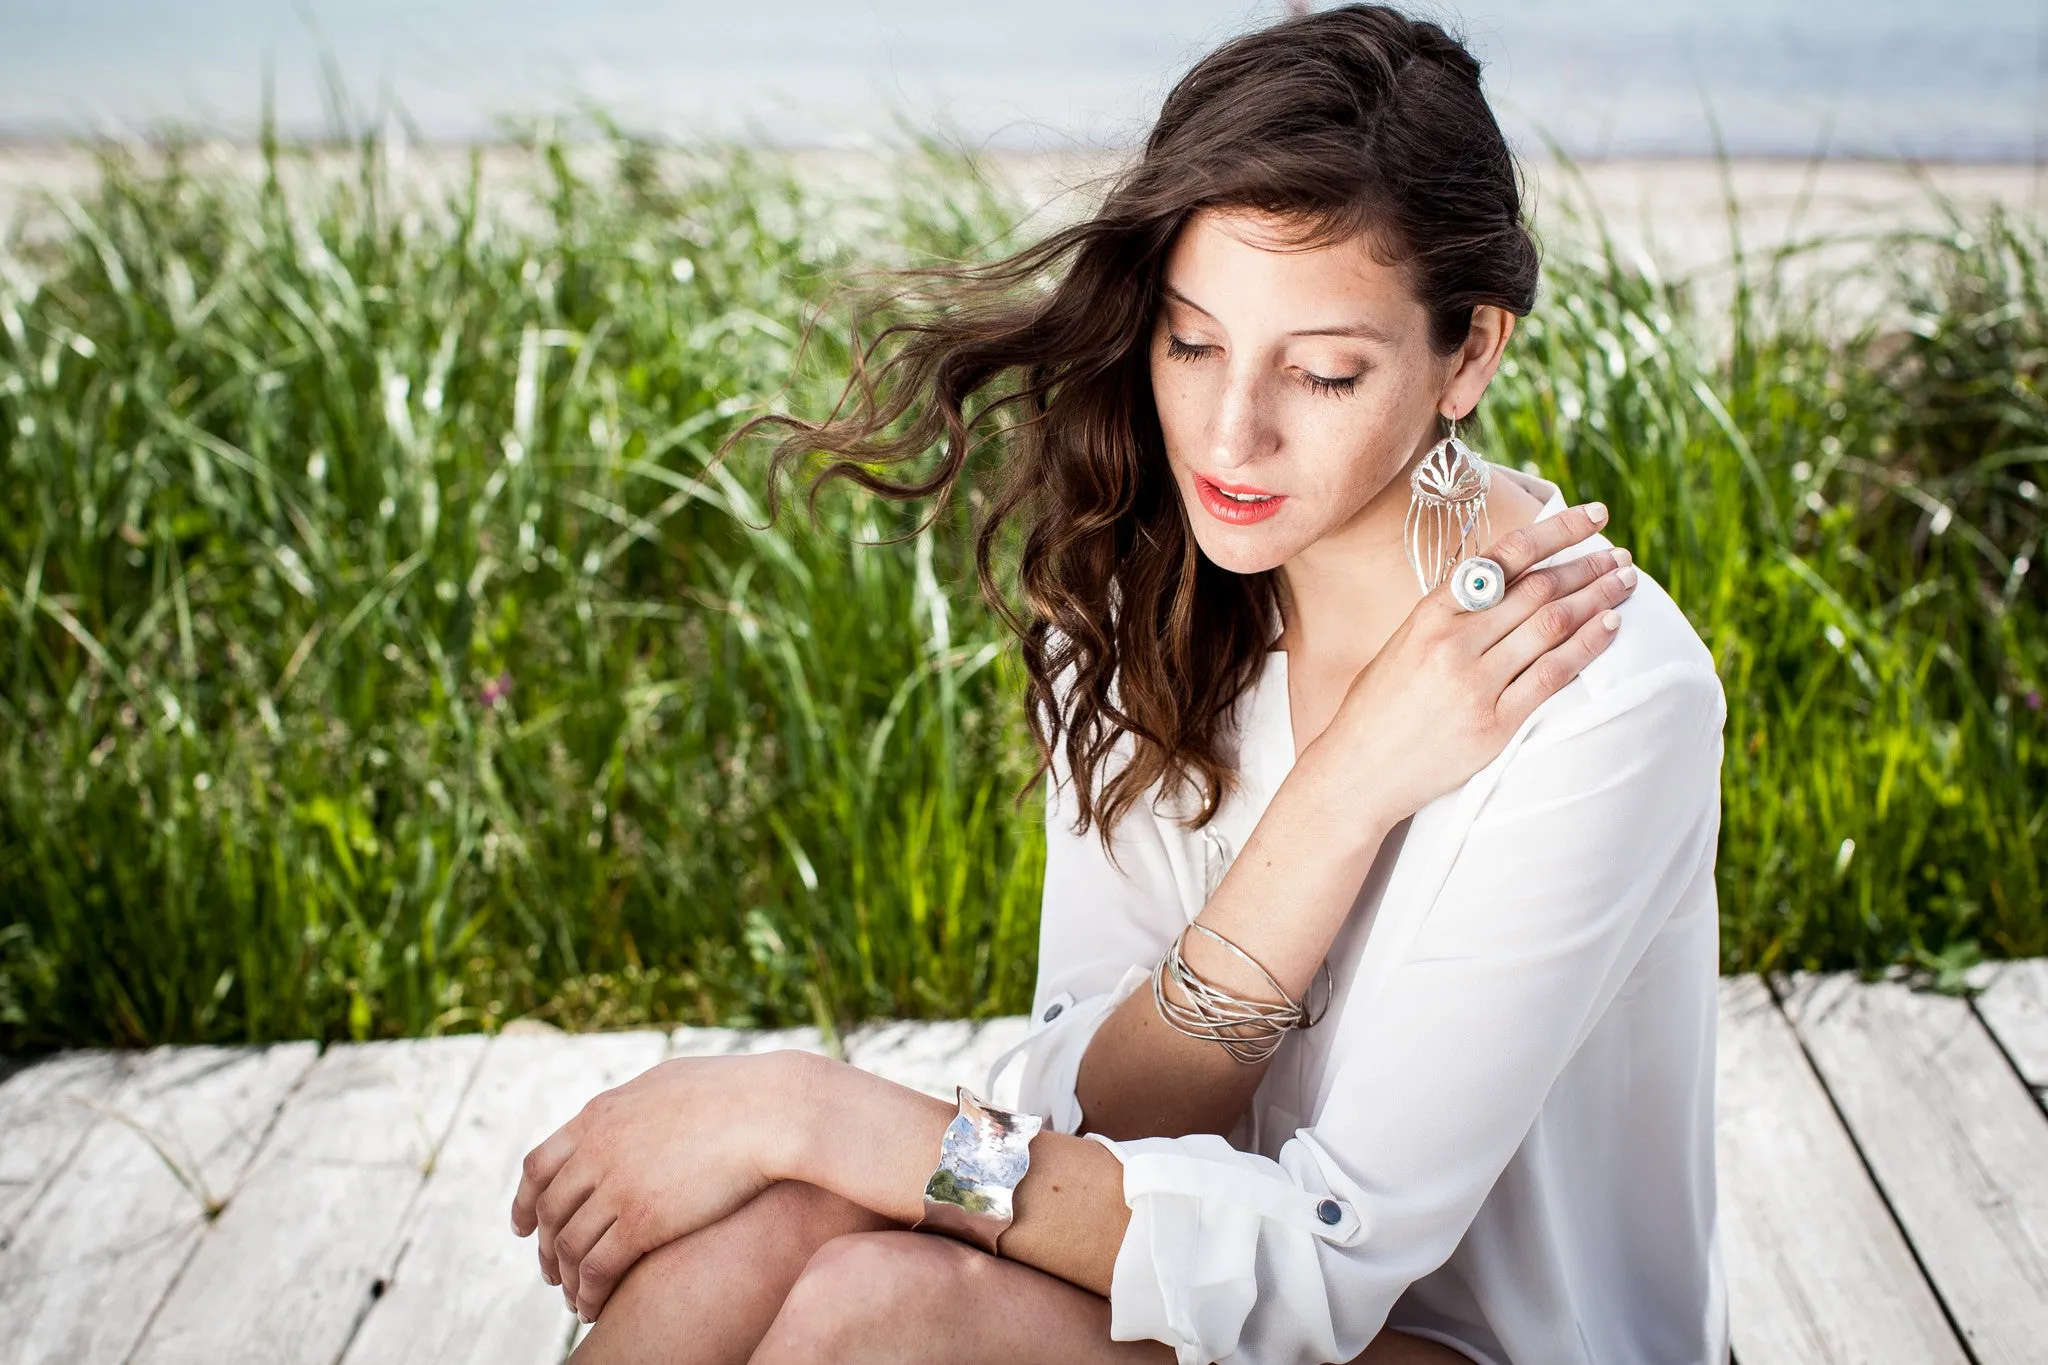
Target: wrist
<point>1338,803</point>
<point>787,1104</point>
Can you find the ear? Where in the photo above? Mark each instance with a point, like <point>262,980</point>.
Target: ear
<point>1474,363</point>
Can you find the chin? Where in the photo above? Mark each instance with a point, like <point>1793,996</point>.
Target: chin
<point>1244,550</point>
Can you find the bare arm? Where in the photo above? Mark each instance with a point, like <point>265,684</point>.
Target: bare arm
<point>694,1139</point>
<point>1309,853</point>
<point>1466,679</point>
<point>876,1143</point>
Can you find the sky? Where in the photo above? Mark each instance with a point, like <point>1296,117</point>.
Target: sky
<point>1961,80</point>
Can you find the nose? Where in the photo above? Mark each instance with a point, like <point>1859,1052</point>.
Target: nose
<point>1242,429</point>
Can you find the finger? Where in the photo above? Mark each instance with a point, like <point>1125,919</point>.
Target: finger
<point>1530,593</point>
<point>603,1267</point>
<point>558,1204</point>
<point>1554,623</point>
<point>582,1232</point>
<point>1520,550</point>
<point>1549,673</point>
<point>538,1170</point>
<point>590,1222</point>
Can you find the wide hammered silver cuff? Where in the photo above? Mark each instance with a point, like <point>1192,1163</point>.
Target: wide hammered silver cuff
<point>982,1157</point>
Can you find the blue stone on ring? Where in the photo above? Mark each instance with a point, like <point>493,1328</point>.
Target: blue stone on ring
<point>1330,1211</point>
<point>1478,583</point>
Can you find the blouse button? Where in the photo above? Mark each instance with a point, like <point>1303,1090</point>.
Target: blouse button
<point>1330,1211</point>
<point>1052,1012</point>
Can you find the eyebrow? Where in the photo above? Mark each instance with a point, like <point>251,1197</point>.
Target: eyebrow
<point>1363,331</point>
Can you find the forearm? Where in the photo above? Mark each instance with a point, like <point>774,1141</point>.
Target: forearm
<point>1283,901</point>
<point>876,1143</point>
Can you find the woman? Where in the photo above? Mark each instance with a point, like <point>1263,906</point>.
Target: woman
<point>1405,890</point>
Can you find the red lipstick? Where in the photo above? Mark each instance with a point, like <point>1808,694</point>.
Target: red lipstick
<point>1248,506</point>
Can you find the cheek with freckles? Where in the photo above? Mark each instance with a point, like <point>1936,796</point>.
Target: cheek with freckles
<point>1329,456</point>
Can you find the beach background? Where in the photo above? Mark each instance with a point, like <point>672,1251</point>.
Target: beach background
<point>1645,95</point>
<point>391,654</point>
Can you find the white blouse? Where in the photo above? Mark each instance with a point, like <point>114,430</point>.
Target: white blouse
<point>1508,1108</point>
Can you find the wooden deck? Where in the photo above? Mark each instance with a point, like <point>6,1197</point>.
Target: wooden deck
<point>1883,1159</point>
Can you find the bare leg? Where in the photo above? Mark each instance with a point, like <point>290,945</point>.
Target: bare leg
<point>907,1298</point>
<point>706,1299</point>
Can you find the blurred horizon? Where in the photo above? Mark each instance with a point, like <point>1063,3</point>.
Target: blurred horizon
<point>1604,78</point>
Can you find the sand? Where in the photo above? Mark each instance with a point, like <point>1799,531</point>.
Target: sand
<point>1668,215</point>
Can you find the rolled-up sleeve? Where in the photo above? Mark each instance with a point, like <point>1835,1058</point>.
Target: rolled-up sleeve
<point>1102,926</point>
<point>1575,858</point>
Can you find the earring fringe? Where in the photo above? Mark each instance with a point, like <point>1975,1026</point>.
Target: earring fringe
<point>1448,489</point>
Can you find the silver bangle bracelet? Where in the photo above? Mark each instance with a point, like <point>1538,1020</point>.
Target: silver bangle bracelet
<point>983,1156</point>
<point>1249,1030</point>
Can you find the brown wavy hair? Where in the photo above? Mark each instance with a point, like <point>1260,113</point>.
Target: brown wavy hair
<point>1356,120</point>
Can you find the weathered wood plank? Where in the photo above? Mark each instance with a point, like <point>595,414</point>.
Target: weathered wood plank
<point>2014,1006</point>
<point>720,1042</point>
<point>290,1267</point>
<point>1956,1142</point>
<point>464,1290</point>
<point>89,1264</point>
<point>934,1056</point>
<point>45,1112</point>
<point>1818,1273</point>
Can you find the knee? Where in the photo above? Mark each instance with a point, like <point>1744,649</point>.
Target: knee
<point>792,1211</point>
<point>861,1295</point>
<point>735,1270</point>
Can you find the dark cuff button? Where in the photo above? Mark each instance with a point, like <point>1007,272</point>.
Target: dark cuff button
<point>1330,1211</point>
<point>1052,1012</point>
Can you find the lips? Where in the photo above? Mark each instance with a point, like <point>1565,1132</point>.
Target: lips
<point>1248,506</point>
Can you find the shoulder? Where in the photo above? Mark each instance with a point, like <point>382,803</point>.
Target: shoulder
<point>1656,668</point>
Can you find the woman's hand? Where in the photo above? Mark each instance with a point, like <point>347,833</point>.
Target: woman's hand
<point>673,1150</point>
<point>1450,687</point>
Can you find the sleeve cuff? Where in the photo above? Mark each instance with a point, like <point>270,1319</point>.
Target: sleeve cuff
<point>1203,1214</point>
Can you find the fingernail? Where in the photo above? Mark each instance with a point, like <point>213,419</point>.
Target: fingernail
<point>1611,619</point>
<point>1598,512</point>
<point>1622,556</point>
<point>1628,575</point>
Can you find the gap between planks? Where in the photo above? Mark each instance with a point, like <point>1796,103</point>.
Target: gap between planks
<point>434,1201</point>
<point>1955,1139</point>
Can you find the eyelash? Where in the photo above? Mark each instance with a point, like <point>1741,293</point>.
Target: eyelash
<point>1177,349</point>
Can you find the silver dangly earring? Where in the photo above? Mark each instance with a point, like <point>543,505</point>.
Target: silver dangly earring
<point>1446,492</point>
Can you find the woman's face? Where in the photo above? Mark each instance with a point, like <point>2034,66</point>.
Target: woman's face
<point>1305,376</point>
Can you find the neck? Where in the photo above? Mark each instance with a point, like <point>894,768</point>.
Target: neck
<point>1348,592</point>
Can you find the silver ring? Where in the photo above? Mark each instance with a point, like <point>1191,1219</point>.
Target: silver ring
<point>1478,583</point>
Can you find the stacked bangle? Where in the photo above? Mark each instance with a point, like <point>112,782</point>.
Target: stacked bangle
<point>1249,1030</point>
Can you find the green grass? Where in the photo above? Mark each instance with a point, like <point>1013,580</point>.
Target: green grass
<point>387,655</point>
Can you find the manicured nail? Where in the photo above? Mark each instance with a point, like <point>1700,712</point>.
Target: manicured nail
<point>1627,574</point>
<point>1611,619</point>
<point>1598,512</point>
<point>1622,556</point>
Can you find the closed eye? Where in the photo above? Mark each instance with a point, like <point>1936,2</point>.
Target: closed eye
<point>1321,384</point>
<point>1177,349</point>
